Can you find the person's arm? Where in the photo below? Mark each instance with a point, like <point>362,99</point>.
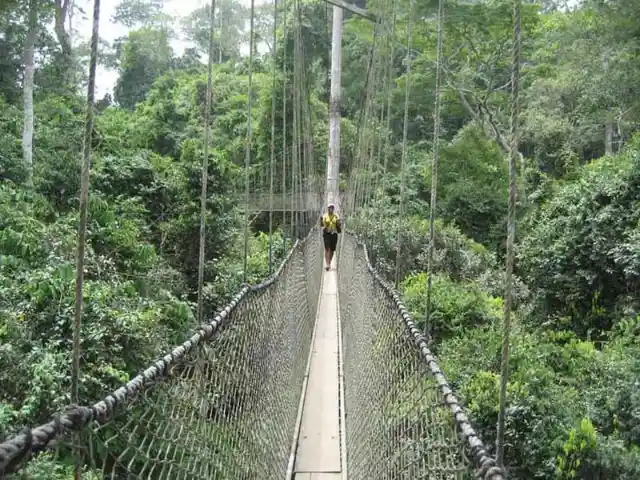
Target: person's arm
<point>339,225</point>
<point>322,221</point>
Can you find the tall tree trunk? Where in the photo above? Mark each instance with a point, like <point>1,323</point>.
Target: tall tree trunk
<point>333,160</point>
<point>608,137</point>
<point>61,14</point>
<point>608,126</point>
<point>29,70</point>
<point>220,27</point>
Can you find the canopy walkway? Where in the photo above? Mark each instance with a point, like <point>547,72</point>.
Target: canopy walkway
<point>309,375</point>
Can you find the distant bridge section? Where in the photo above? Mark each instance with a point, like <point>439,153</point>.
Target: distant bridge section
<point>303,202</point>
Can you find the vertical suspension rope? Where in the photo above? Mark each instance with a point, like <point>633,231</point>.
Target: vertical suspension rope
<point>300,151</point>
<point>273,136</point>
<point>361,131</point>
<point>84,207</point>
<point>205,165</point>
<point>434,165</point>
<point>247,158</point>
<point>511,231</point>
<point>82,225</point>
<point>284,121</point>
<point>388,92</point>
<point>294,127</point>
<point>404,140</point>
<point>378,74</point>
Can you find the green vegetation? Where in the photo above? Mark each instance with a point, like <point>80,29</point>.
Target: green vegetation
<point>573,401</point>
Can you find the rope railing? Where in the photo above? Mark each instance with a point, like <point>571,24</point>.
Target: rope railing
<point>403,419</point>
<point>221,405</point>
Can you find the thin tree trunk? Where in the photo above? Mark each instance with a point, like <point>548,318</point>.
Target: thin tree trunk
<point>29,70</point>
<point>333,161</point>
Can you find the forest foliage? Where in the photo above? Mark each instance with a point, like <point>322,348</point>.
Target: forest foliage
<point>574,405</point>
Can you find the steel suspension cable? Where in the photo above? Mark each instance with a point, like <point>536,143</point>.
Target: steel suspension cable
<point>205,165</point>
<point>369,146</point>
<point>375,106</point>
<point>300,150</point>
<point>404,141</point>
<point>511,231</point>
<point>380,105</point>
<point>354,174</point>
<point>284,121</point>
<point>434,166</point>
<point>301,126</point>
<point>247,159</point>
<point>362,125</point>
<point>294,141</point>
<point>388,93</point>
<point>84,213</point>
<point>273,135</point>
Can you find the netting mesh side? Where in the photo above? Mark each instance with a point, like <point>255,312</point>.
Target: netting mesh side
<point>225,410</point>
<point>399,421</point>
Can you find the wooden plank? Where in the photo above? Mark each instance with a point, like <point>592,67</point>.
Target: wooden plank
<point>319,442</point>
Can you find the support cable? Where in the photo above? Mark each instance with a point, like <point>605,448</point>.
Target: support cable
<point>273,136</point>
<point>404,142</point>
<point>434,166</point>
<point>82,225</point>
<point>205,165</point>
<point>284,123</point>
<point>84,208</point>
<point>388,92</point>
<point>294,141</point>
<point>511,231</point>
<point>247,159</point>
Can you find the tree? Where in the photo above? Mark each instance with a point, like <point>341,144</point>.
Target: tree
<point>140,13</point>
<point>29,69</point>
<point>231,17</point>
<point>145,55</point>
<point>62,11</point>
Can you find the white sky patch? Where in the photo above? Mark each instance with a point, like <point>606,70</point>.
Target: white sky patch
<point>106,78</point>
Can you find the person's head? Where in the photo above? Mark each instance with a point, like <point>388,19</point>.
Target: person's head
<point>331,208</point>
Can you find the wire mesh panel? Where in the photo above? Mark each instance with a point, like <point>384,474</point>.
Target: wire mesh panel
<point>221,406</point>
<point>402,420</point>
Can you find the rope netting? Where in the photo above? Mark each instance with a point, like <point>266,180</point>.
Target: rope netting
<point>403,420</point>
<point>221,405</point>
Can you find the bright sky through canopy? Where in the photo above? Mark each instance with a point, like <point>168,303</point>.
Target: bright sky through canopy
<point>105,78</point>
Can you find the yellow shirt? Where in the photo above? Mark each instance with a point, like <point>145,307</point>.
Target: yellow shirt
<point>330,223</point>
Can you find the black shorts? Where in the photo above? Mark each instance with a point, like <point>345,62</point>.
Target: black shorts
<point>330,241</point>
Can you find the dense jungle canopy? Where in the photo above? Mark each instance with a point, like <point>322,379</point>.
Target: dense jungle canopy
<point>573,395</point>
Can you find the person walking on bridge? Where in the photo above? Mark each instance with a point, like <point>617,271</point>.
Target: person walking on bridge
<point>331,227</point>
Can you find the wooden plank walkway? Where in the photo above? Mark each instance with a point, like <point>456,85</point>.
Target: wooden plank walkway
<point>318,452</point>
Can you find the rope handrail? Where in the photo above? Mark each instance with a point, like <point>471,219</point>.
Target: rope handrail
<point>485,463</point>
<point>36,439</point>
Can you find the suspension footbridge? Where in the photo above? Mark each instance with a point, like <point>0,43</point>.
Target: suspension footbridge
<point>309,375</point>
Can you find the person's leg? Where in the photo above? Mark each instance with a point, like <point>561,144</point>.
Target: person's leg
<point>327,251</point>
<point>334,245</point>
